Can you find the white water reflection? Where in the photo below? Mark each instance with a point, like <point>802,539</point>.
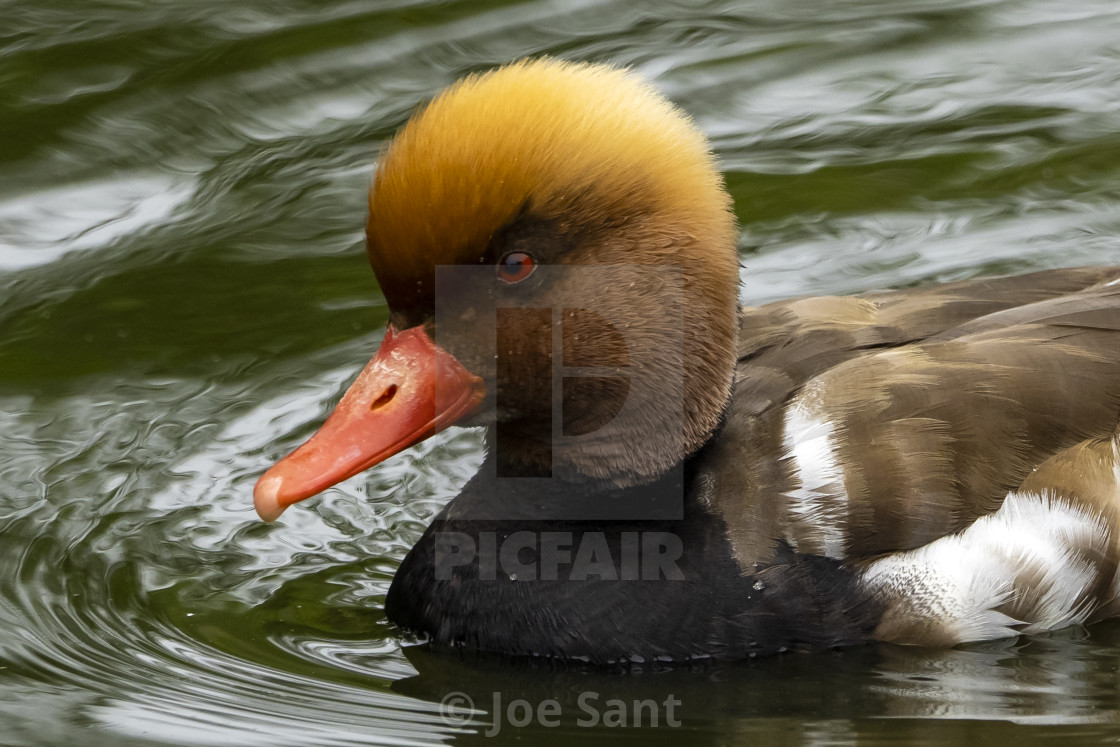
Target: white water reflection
<point>859,254</point>
<point>40,227</point>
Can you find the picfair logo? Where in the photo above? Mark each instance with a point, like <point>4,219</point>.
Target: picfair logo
<point>575,376</point>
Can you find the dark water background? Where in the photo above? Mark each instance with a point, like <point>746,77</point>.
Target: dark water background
<point>183,295</point>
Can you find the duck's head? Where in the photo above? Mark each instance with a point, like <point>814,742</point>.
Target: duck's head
<point>586,225</point>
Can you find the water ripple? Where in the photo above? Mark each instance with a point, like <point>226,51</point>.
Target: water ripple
<point>183,297</point>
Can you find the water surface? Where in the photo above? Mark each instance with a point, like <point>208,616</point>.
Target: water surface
<point>183,295</point>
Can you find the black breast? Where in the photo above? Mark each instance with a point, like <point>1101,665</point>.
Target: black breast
<point>612,591</point>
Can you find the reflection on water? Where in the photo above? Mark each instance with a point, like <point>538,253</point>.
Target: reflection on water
<point>40,227</point>
<point>183,296</point>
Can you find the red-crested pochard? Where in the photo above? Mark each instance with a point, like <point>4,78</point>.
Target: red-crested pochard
<point>672,476</point>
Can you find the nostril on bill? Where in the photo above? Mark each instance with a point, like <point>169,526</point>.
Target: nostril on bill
<point>385,398</point>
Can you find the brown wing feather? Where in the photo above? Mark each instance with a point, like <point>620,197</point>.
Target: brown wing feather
<point>1014,369</point>
<point>934,435</point>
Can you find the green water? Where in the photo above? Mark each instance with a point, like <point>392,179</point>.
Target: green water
<point>183,295</point>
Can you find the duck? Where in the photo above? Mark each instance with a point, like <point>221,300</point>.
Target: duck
<point>670,476</point>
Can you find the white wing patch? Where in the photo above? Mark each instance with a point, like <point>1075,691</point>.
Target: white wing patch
<point>1116,460</point>
<point>1030,566</point>
<point>818,505</point>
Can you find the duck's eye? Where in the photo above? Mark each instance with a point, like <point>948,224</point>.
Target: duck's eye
<point>515,267</point>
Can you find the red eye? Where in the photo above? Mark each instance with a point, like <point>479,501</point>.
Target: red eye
<point>515,267</point>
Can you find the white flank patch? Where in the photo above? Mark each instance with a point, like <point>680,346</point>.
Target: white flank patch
<point>1116,463</point>
<point>1030,553</point>
<point>1115,589</point>
<point>819,501</point>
